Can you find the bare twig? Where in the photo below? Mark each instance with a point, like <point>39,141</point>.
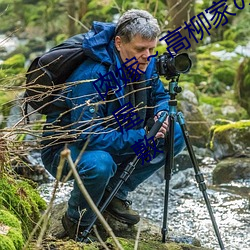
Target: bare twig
<point>137,236</point>
<point>183,8</point>
<point>77,21</point>
<point>99,238</point>
<point>66,154</point>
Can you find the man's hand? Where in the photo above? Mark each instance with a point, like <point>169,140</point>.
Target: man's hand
<point>164,128</point>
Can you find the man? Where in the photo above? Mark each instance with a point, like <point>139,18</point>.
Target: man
<point>91,117</point>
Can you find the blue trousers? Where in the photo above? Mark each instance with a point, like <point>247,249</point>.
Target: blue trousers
<point>100,170</point>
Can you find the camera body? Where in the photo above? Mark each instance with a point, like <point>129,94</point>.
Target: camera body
<point>173,65</point>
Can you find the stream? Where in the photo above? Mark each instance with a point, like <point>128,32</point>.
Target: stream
<point>187,212</point>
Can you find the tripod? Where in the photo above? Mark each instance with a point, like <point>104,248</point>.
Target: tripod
<point>173,90</point>
<point>125,174</point>
<point>169,163</point>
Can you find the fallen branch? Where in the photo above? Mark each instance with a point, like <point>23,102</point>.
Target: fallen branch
<point>66,154</point>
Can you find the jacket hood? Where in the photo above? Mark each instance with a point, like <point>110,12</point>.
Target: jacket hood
<point>98,42</point>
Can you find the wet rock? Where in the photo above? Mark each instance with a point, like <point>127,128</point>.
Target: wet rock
<point>231,169</point>
<point>227,110</point>
<point>206,109</point>
<point>181,179</point>
<point>150,234</point>
<point>190,96</point>
<point>182,162</point>
<point>31,167</point>
<point>232,139</point>
<point>197,125</point>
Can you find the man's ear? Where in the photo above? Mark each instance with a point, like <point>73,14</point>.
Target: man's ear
<point>118,43</point>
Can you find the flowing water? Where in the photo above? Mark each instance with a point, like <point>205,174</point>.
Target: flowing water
<point>187,212</point>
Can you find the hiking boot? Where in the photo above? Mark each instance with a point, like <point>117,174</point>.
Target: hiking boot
<point>121,211</point>
<point>75,231</point>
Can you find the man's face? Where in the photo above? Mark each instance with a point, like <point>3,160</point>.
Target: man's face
<point>138,47</point>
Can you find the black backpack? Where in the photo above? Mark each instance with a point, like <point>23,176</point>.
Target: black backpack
<point>48,73</point>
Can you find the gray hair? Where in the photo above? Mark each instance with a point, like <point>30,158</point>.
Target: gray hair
<point>137,22</point>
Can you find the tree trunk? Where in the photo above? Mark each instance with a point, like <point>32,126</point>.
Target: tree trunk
<point>83,8</point>
<point>72,14</point>
<point>179,12</point>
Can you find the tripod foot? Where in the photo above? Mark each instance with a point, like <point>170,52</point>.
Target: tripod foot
<point>164,232</point>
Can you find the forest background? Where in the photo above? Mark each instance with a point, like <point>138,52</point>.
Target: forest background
<point>216,75</point>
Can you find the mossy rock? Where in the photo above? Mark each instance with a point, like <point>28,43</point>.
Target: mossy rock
<point>219,107</point>
<point>242,84</point>
<point>229,45</point>
<point>231,169</point>
<point>22,200</point>
<point>231,139</point>
<point>17,61</point>
<point>225,75</point>
<point>150,235</point>
<point>128,244</point>
<point>10,231</point>
<point>13,71</point>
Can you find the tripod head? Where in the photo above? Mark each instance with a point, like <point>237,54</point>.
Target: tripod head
<point>174,89</point>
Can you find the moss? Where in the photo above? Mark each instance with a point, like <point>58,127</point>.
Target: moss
<point>246,81</point>
<point>13,71</point>
<point>236,125</point>
<point>212,100</point>
<point>66,245</point>
<point>91,247</point>
<point>217,73</point>
<point>219,104</point>
<point>238,128</point>
<point>16,237</point>
<point>60,38</point>
<point>161,49</point>
<point>6,243</point>
<point>128,244</point>
<point>13,239</point>
<point>229,45</point>
<point>9,219</point>
<point>16,61</point>
<point>224,75</point>
<point>22,200</point>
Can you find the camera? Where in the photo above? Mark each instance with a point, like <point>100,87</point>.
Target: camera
<point>173,65</point>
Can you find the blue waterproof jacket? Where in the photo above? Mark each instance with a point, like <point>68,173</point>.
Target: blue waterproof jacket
<point>88,116</point>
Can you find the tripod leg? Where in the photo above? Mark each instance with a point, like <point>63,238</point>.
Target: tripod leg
<point>168,173</point>
<point>125,175</point>
<point>199,177</point>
